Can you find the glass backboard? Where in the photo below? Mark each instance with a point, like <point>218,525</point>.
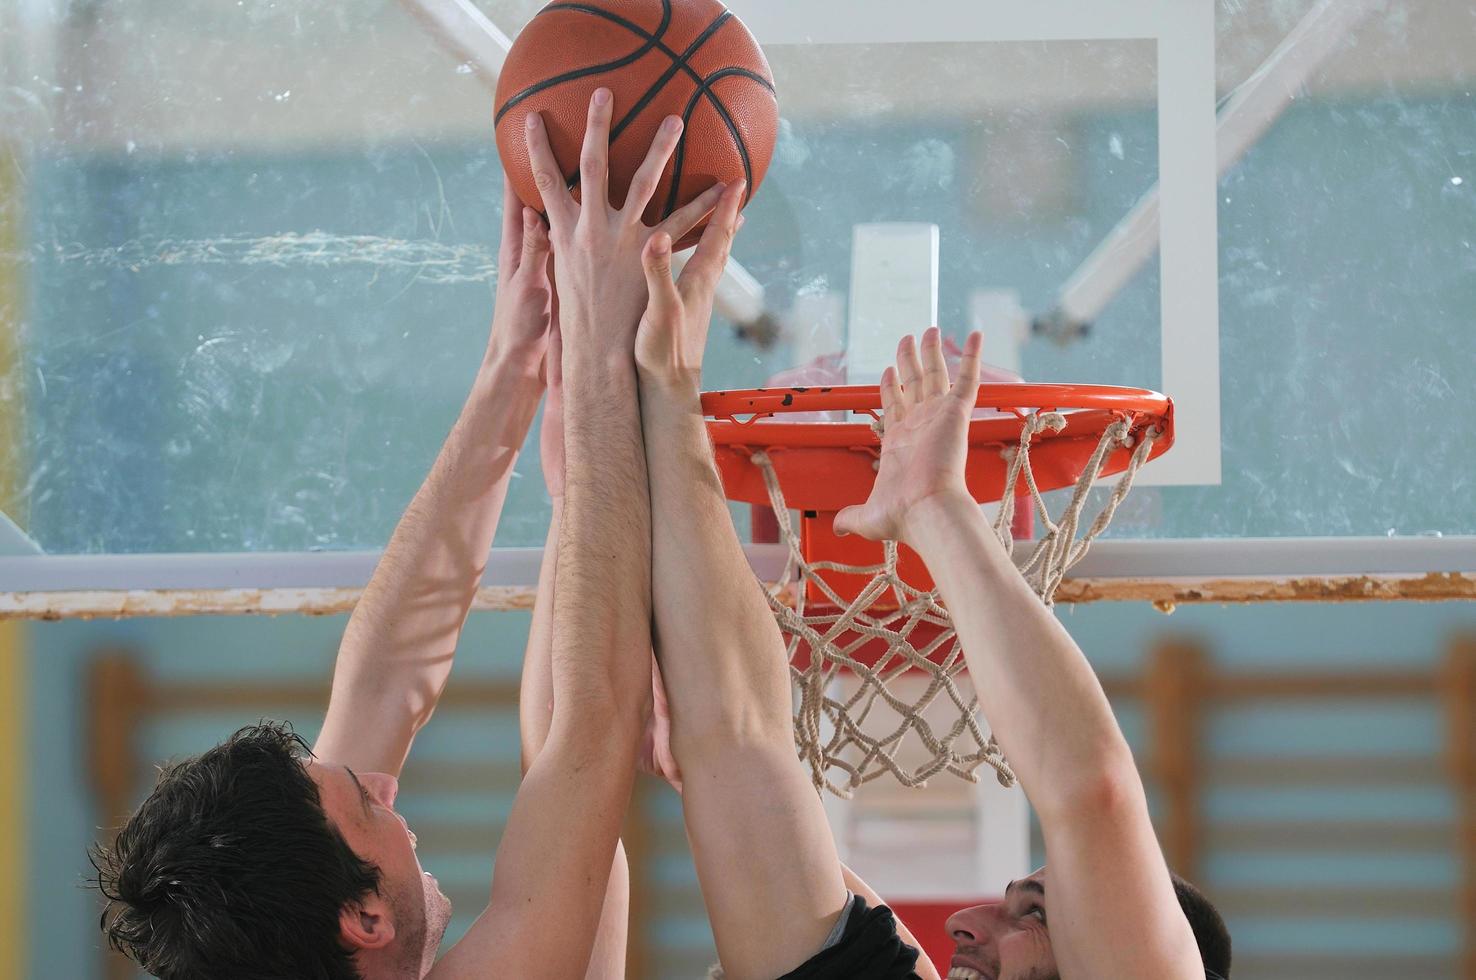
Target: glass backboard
<point>247,255</point>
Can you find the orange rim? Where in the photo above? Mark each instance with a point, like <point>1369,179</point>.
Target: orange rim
<point>824,466</point>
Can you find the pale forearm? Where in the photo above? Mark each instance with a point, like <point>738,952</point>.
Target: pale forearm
<point>707,600</point>
<point>607,962</point>
<point>697,549</point>
<point>535,713</point>
<point>535,691</point>
<point>602,605</point>
<point>1041,697</point>
<point>397,649</point>
<point>556,855</point>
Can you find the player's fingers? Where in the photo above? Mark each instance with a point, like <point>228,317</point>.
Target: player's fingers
<point>643,184</point>
<point>534,256</point>
<point>935,368</point>
<point>966,387</point>
<point>685,218</point>
<point>705,267</point>
<point>510,250</point>
<point>662,302</point>
<point>852,520</point>
<point>594,157</point>
<point>844,520</point>
<point>894,406</point>
<point>558,203</point>
<point>909,370</point>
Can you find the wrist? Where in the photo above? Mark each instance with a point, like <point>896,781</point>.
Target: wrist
<point>938,517</point>
<point>669,387</point>
<point>516,356</point>
<point>517,365</point>
<point>502,403</point>
<point>605,356</point>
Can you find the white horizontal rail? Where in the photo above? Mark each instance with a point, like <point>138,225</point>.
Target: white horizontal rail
<point>1193,558</point>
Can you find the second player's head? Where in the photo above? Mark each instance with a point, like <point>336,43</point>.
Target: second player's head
<point>1011,939</point>
<point>254,860</point>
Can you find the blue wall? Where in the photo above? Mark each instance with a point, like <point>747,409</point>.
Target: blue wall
<point>1115,636</point>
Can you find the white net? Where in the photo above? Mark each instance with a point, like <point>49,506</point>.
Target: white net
<point>891,630</point>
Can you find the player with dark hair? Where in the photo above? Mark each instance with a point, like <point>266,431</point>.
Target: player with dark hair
<point>260,860</point>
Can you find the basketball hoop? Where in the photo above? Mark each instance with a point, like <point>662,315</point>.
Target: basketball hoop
<point>869,609</point>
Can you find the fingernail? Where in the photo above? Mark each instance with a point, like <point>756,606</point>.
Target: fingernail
<point>602,95</point>
<point>742,186</point>
<point>741,218</point>
<point>534,121</point>
<point>672,124</point>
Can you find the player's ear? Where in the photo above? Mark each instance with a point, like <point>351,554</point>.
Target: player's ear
<point>366,923</point>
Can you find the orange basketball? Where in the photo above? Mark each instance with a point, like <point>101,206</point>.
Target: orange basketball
<point>687,58</point>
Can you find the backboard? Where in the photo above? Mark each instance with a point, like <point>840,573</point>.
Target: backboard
<point>246,259</point>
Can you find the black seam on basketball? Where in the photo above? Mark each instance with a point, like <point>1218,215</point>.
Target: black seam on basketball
<point>746,73</point>
<point>704,88</point>
<point>651,41</point>
<point>677,65</point>
<point>733,130</point>
<point>641,32</point>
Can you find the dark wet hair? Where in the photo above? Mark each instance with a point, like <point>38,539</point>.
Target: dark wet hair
<point>231,869</point>
<point>1210,933</point>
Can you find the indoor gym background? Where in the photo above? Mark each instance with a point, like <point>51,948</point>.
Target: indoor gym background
<point>245,258</point>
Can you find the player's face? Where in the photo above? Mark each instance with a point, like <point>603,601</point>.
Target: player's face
<point>361,806</point>
<point>1006,940</point>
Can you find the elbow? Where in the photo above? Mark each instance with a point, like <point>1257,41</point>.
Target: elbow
<point>1103,787</point>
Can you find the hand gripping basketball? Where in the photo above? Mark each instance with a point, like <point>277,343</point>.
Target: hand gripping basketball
<point>597,246</point>
<point>692,59</point>
<point>673,332</point>
<point>521,320</point>
<point>925,440</point>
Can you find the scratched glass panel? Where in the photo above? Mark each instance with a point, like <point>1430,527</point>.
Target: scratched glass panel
<point>259,254</point>
<point>248,256</point>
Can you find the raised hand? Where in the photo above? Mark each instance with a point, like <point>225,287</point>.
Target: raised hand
<point>597,247</point>
<point>925,441</point>
<point>673,331</point>
<point>524,310</point>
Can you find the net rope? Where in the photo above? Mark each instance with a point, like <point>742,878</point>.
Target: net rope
<point>851,738</point>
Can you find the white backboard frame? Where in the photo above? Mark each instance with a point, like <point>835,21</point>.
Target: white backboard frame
<point>1184,31</point>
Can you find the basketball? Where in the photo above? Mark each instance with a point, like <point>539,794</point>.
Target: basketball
<point>688,58</point>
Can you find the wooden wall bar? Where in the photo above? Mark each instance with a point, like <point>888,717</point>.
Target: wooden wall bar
<point>1179,688</point>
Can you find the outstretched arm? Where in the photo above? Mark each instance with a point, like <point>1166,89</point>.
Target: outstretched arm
<point>535,699</point>
<point>765,858</point>
<point>554,861</point>
<point>397,649</point>
<point>1109,898</point>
